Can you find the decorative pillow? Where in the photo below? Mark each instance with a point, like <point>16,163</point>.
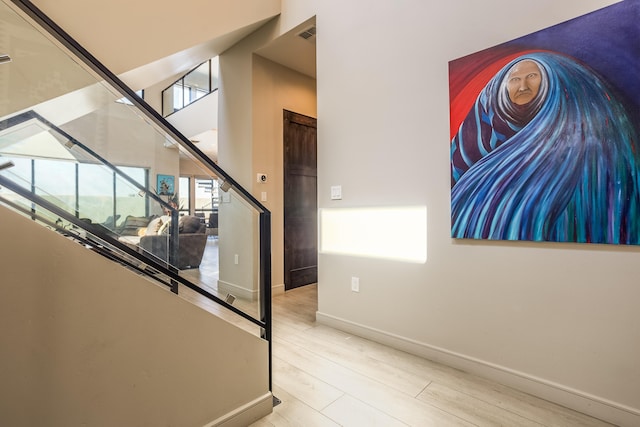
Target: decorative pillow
<point>189,224</point>
<point>164,228</point>
<point>131,225</point>
<point>154,226</point>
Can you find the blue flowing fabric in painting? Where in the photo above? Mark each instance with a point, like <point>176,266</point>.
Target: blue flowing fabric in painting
<point>563,167</point>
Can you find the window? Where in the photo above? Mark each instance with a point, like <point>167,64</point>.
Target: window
<point>125,100</point>
<point>206,195</point>
<point>55,181</point>
<point>85,190</point>
<point>197,83</point>
<point>95,191</point>
<point>128,201</point>
<point>206,198</point>
<point>21,173</point>
<point>184,194</point>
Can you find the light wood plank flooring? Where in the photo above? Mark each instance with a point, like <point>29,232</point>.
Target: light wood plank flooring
<point>326,377</point>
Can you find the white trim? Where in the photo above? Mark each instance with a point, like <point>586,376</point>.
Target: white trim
<point>237,291</point>
<point>245,414</point>
<point>277,290</point>
<point>580,401</point>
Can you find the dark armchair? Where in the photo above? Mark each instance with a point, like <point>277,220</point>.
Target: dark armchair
<point>192,239</point>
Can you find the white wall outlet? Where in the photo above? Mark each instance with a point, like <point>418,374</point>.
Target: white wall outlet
<point>235,259</point>
<point>355,284</point>
<point>336,192</point>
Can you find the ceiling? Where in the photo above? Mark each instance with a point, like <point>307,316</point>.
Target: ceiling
<point>294,51</point>
<point>289,50</point>
<point>126,34</point>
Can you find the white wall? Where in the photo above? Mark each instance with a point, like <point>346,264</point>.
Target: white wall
<point>87,342</point>
<point>197,117</point>
<point>559,320</point>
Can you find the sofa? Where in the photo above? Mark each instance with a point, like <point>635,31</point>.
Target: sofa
<point>132,224</point>
<point>192,239</point>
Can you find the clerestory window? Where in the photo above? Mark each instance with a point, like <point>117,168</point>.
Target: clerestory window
<point>197,83</point>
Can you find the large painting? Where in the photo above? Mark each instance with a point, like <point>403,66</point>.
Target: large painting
<point>544,134</point>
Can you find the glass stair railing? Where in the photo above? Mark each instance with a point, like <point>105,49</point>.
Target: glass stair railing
<point>77,160</point>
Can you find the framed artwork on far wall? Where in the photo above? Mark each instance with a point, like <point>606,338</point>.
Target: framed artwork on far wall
<point>166,185</point>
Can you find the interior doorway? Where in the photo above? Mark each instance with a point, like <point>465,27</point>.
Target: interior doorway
<point>300,200</point>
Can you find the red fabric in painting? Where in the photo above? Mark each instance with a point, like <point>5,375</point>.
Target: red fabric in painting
<point>469,75</point>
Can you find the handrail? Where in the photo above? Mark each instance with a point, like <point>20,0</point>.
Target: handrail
<point>91,228</point>
<point>227,181</point>
<point>183,77</point>
<point>31,114</point>
<point>79,237</point>
<point>70,43</point>
<point>7,165</point>
<point>265,275</point>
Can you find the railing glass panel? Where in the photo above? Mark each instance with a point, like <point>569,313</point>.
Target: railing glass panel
<point>85,160</point>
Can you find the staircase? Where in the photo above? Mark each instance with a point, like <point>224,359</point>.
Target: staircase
<point>101,329</point>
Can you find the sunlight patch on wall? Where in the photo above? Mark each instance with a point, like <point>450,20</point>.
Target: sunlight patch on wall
<point>398,233</point>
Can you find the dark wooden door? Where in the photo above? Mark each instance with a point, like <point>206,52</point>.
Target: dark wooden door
<point>300,201</point>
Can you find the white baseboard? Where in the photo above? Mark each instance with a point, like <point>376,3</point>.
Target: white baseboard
<point>577,400</point>
<point>246,414</point>
<point>277,290</point>
<point>237,291</point>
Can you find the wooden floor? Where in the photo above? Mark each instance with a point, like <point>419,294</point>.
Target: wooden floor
<point>325,377</point>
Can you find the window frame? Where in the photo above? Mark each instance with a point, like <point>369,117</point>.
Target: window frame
<point>189,93</point>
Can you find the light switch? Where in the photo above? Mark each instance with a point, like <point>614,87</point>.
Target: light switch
<point>336,192</point>
<point>263,196</point>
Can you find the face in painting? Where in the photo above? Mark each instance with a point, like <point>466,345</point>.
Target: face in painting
<point>523,82</point>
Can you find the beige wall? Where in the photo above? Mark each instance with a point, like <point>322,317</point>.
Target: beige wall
<point>276,88</point>
<point>235,114</point>
<point>250,127</point>
<point>87,342</point>
<point>235,147</point>
<point>559,320</point>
